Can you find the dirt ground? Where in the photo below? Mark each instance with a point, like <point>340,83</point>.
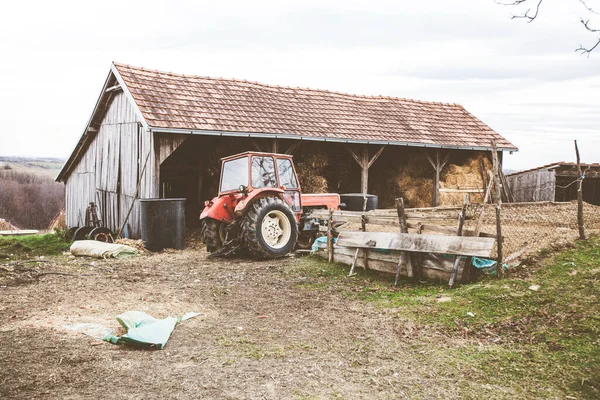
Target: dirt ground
<point>265,332</point>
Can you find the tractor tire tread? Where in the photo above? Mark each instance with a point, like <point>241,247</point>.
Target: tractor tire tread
<point>252,231</point>
<point>211,235</point>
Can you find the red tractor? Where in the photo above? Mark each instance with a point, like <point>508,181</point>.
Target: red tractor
<point>260,207</point>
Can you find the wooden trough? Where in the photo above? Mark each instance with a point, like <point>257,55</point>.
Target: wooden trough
<point>441,254</point>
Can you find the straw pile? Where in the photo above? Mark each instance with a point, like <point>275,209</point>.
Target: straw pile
<point>7,226</point>
<point>310,172</point>
<point>136,244</point>
<point>463,176</point>
<point>413,182</point>
<point>58,222</point>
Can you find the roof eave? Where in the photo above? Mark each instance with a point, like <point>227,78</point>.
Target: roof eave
<point>321,139</point>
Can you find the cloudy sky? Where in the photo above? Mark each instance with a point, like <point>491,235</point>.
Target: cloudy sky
<point>524,80</point>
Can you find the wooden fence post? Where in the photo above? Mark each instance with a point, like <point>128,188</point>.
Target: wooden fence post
<point>498,185</point>
<point>461,223</point>
<point>579,196</point>
<point>403,229</point>
<point>330,236</point>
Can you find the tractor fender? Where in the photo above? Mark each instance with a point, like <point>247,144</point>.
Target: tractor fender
<point>219,208</point>
<point>254,195</point>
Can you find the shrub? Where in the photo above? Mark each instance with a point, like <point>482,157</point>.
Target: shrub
<point>28,200</point>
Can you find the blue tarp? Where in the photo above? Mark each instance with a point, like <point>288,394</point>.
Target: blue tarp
<point>486,265</point>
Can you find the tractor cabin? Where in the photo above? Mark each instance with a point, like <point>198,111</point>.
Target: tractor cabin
<point>154,134</point>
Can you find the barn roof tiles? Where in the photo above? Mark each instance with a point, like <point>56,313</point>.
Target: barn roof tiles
<point>173,102</point>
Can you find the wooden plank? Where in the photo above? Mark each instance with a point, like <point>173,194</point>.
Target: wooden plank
<point>465,246</point>
<point>434,267</point>
<point>461,190</point>
<point>19,232</point>
<point>354,216</point>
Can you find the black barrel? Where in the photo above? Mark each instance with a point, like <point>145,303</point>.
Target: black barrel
<point>163,223</point>
<point>354,201</point>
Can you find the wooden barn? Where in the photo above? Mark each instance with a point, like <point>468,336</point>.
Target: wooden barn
<point>154,134</point>
<point>556,182</point>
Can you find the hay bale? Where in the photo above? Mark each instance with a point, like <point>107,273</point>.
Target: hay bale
<point>467,175</point>
<point>413,181</point>
<point>311,172</point>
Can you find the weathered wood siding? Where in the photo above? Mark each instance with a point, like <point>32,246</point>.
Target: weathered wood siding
<point>112,165</point>
<point>108,171</point>
<point>533,185</point>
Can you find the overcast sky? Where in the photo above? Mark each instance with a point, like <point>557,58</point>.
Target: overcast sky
<point>524,80</point>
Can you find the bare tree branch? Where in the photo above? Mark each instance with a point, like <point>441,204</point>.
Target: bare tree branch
<point>584,50</point>
<point>530,17</point>
<point>590,9</point>
<point>526,15</point>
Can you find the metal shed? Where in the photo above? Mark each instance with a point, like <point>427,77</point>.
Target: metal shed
<point>152,132</point>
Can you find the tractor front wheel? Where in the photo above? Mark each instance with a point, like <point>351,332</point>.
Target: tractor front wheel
<point>270,228</point>
<point>214,234</point>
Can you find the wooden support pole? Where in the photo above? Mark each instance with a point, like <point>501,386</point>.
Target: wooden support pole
<point>403,229</point>
<point>461,222</point>
<point>498,185</point>
<point>364,178</point>
<point>438,165</point>
<point>580,224</point>
<point>365,163</point>
<point>275,146</point>
<point>330,236</point>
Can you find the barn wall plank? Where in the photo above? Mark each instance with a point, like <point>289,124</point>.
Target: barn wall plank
<point>108,172</point>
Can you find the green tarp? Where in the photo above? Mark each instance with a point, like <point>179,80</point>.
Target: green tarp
<point>146,331</point>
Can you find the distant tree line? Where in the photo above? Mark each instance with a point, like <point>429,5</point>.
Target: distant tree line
<point>29,200</point>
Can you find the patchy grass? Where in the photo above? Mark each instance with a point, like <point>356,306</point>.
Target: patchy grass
<point>542,330</point>
<point>18,247</point>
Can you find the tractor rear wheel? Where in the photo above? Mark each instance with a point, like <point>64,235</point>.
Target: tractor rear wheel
<point>270,228</point>
<point>214,234</point>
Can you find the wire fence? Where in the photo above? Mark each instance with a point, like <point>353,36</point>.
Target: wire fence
<point>530,227</point>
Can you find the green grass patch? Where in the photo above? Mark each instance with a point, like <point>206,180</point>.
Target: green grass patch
<point>18,247</point>
<point>542,331</point>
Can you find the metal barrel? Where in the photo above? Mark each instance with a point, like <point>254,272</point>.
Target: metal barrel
<point>163,223</point>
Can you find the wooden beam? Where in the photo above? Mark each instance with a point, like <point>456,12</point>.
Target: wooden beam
<point>355,156</point>
<point>256,145</point>
<point>455,245</point>
<point>114,88</point>
<point>293,147</point>
<point>275,146</point>
<point>459,190</point>
<point>376,156</point>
